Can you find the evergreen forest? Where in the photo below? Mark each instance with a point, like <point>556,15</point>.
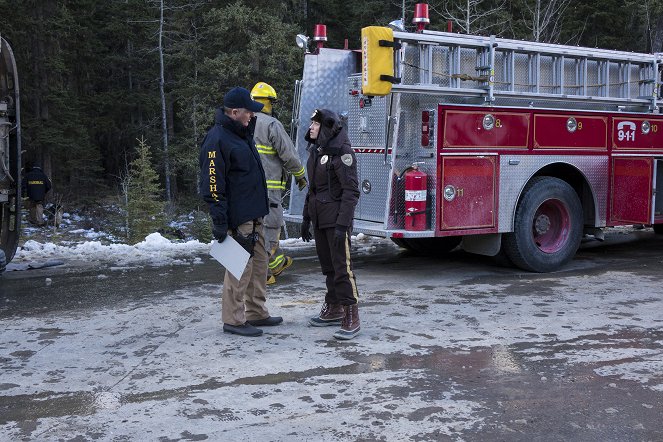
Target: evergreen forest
<point>97,76</point>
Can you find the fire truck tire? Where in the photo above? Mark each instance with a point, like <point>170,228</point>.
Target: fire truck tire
<point>547,227</point>
<point>432,246</point>
<point>658,229</point>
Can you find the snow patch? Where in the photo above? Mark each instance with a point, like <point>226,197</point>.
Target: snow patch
<point>154,250</point>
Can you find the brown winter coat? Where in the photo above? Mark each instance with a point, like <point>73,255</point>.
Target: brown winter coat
<point>332,175</point>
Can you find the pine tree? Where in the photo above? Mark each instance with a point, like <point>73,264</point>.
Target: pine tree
<point>144,207</point>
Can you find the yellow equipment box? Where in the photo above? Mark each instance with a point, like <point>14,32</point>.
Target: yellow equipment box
<point>377,60</point>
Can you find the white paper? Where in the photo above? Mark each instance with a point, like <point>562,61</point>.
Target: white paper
<point>231,255</point>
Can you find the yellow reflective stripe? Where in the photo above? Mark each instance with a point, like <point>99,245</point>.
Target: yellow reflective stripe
<point>267,150</point>
<point>275,184</point>
<point>276,261</point>
<point>348,268</point>
<point>299,173</point>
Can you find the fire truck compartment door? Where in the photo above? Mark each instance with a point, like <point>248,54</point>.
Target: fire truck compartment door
<point>373,186</point>
<point>631,190</point>
<point>468,192</point>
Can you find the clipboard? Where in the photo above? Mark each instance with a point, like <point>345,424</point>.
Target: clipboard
<point>231,255</point>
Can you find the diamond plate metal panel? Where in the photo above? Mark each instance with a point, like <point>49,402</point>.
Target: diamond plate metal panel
<point>324,85</point>
<point>373,185</point>
<point>367,126</point>
<point>515,176</point>
<point>367,123</point>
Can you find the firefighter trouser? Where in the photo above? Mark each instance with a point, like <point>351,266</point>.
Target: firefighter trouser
<point>273,223</point>
<point>36,212</point>
<point>244,299</point>
<point>336,265</point>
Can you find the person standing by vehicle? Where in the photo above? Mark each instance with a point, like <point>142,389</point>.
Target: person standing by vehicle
<point>232,182</point>
<point>330,206</point>
<point>279,157</point>
<point>35,186</point>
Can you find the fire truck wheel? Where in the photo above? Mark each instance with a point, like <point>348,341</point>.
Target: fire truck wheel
<point>431,246</point>
<point>658,229</point>
<point>547,226</point>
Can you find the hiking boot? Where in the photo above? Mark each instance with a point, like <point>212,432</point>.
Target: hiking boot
<point>350,324</point>
<point>287,262</point>
<point>330,314</point>
<point>271,280</point>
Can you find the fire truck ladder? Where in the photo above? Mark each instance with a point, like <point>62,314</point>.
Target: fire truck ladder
<point>498,70</point>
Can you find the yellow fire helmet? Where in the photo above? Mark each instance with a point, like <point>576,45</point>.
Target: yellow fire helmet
<point>263,90</point>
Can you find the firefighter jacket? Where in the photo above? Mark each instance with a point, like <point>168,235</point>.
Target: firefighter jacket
<point>278,155</point>
<point>332,174</point>
<point>232,180</point>
<point>36,184</point>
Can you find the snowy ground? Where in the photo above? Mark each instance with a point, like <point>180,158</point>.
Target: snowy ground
<point>73,244</point>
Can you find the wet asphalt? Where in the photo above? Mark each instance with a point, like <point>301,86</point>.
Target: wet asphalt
<point>452,348</point>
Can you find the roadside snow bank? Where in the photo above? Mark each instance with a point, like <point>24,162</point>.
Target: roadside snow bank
<point>155,250</point>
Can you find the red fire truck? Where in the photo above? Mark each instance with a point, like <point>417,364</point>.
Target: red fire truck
<point>499,146</point>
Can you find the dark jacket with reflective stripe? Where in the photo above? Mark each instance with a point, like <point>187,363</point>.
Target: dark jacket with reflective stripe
<point>232,180</point>
<point>332,173</point>
<point>36,184</point>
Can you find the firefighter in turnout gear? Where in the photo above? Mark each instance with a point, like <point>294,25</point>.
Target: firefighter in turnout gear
<point>330,207</point>
<point>279,157</point>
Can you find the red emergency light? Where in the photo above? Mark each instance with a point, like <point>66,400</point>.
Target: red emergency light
<point>421,16</point>
<point>320,35</point>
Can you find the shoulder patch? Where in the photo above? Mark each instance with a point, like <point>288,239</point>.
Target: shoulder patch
<point>347,159</point>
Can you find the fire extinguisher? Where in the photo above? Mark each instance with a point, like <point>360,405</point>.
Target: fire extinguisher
<point>416,197</point>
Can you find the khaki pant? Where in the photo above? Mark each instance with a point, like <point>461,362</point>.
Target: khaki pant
<point>244,299</point>
<point>36,212</point>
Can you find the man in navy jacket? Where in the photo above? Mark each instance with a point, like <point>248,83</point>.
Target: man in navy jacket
<point>232,182</point>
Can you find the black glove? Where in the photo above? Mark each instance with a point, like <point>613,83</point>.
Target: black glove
<point>301,183</point>
<point>220,232</point>
<point>306,230</point>
<point>340,235</point>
